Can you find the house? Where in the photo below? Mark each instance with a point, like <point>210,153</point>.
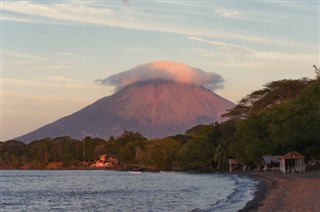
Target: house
<point>105,161</point>
<point>292,162</point>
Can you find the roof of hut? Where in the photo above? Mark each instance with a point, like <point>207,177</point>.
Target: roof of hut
<point>233,161</point>
<point>271,158</point>
<point>292,155</point>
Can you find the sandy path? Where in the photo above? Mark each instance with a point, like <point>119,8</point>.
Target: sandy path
<point>290,192</point>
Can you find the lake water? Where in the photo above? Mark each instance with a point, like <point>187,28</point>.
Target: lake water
<point>26,190</point>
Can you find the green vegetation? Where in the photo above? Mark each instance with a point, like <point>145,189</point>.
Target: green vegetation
<point>283,116</point>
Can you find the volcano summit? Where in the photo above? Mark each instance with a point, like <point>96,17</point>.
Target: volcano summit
<point>157,102</point>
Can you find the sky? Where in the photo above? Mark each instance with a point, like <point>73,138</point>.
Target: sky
<point>53,52</point>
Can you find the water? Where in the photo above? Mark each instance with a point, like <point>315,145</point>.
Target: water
<point>26,190</point>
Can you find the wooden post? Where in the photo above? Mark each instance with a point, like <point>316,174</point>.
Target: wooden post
<point>283,165</point>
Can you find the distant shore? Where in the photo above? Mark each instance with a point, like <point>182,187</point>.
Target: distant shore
<point>285,192</point>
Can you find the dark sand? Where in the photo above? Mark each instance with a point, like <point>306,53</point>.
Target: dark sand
<point>285,192</point>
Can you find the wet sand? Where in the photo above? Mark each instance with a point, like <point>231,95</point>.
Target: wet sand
<point>285,192</point>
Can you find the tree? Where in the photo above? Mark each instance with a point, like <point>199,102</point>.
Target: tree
<point>195,155</point>
<point>181,138</point>
<point>295,126</point>
<point>317,71</point>
<point>131,152</point>
<point>64,145</point>
<point>68,161</point>
<point>200,130</point>
<point>221,136</point>
<point>114,145</point>
<point>90,146</point>
<point>160,153</point>
<point>252,139</point>
<point>262,100</point>
<point>40,151</point>
<point>13,154</point>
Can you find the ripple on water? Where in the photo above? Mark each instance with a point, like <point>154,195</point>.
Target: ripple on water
<point>121,191</point>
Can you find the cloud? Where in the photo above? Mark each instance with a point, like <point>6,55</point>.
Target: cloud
<point>268,55</point>
<point>228,13</point>
<point>51,67</point>
<point>234,50</point>
<point>44,62</point>
<point>27,20</point>
<point>227,47</point>
<point>165,70</point>
<point>23,55</point>
<point>122,17</point>
<point>53,88</point>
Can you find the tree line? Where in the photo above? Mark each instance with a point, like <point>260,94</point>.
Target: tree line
<point>282,116</point>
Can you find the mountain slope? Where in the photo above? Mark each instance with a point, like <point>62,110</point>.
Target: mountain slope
<point>155,108</point>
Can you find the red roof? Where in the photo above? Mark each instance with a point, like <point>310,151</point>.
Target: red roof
<point>291,155</point>
<point>233,161</point>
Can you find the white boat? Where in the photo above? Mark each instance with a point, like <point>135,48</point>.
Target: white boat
<point>135,172</point>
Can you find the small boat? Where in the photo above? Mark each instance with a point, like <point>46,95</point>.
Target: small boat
<point>135,172</point>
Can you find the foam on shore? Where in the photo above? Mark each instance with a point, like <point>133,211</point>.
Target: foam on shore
<point>244,191</point>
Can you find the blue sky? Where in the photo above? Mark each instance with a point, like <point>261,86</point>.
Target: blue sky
<point>52,52</point>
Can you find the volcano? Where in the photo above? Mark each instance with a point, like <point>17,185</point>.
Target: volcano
<point>155,108</point>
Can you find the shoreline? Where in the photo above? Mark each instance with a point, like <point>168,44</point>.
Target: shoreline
<point>284,192</point>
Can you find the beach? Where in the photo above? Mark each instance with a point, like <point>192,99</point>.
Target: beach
<point>285,192</point>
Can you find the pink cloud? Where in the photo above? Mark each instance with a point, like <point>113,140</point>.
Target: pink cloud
<point>164,70</point>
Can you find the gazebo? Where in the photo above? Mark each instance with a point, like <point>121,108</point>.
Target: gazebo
<point>292,162</point>
<point>233,163</point>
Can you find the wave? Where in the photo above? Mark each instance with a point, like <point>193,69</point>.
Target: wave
<point>243,192</point>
